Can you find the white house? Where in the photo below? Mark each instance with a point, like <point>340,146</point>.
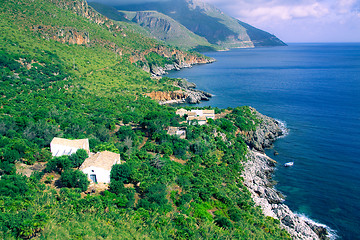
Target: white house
<point>98,166</point>
<point>62,146</point>
<point>198,113</point>
<point>209,114</point>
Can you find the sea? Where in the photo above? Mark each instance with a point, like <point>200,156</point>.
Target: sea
<point>314,89</point>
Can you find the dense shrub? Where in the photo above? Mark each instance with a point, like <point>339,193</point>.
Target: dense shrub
<point>74,179</point>
<point>224,222</point>
<point>78,158</point>
<point>13,185</point>
<point>121,173</point>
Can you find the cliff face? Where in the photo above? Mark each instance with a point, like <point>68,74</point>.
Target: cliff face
<point>64,34</point>
<point>210,23</point>
<point>175,58</point>
<point>265,134</point>
<point>187,94</point>
<point>180,59</point>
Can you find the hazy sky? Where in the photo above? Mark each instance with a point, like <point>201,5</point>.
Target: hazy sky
<point>299,20</point>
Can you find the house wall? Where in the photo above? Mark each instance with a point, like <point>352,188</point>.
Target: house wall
<point>60,150</point>
<point>198,112</point>
<point>102,175</point>
<point>212,116</point>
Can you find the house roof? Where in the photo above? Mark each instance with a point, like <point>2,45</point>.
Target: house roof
<point>103,160</point>
<point>78,143</point>
<point>181,110</point>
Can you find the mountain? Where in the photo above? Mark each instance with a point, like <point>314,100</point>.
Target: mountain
<point>206,21</point>
<point>157,25</point>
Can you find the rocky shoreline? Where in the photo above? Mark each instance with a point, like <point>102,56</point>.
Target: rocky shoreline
<point>257,175</point>
<point>186,94</point>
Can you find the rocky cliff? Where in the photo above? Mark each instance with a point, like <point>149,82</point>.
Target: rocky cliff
<point>166,29</point>
<point>257,178</point>
<point>208,22</point>
<point>187,94</point>
<point>179,59</point>
<point>267,131</point>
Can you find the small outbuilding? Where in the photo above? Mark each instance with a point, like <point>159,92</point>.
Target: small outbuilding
<point>177,131</point>
<point>62,146</point>
<point>98,166</point>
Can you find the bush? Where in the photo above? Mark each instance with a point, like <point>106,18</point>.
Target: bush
<point>235,214</point>
<point>74,179</point>
<point>223,222</point>
<point>120,172</point>
<point>78,158</point>
<point>58,164</point>
<point>13,185</point>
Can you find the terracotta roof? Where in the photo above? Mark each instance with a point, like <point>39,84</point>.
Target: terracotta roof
<point>78,143</point>
<point>103,160</point>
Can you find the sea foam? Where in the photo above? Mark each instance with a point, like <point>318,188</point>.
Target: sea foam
<point>283,127</point>
<point>331,233</point>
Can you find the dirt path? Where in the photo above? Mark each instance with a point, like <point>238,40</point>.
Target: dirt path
<point>143,143</point>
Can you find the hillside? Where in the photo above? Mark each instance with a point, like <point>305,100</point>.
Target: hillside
<point>210,23</point>
<point>67,71</point>
<point>156,25</point>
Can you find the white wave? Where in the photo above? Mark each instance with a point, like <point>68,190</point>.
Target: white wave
<point>283,126</point>
<point>331,233</point>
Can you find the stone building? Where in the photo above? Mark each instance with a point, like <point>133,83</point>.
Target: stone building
<point>98,166</point>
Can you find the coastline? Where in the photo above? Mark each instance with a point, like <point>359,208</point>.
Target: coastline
<point>257,173</point>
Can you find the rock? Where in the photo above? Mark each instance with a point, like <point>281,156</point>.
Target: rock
<point>267,131</point>
<point>183,83</point>
<point>257,175</point>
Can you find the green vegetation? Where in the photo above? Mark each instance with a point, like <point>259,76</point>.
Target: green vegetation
<point>169,188</point>
<point>196,25</point>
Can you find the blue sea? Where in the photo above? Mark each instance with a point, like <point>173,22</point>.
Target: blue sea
<point>315,90</point>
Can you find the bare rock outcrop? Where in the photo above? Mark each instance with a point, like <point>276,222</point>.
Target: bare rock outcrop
<point>187,94</point>
<point>257,175</point>
<point>267,131</point>
<point>257,178</point>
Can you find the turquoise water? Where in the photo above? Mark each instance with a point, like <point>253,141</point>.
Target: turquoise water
<point>315,89</point>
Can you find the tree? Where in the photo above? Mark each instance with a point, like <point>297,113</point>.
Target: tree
<point>13,185</point>
<point>120,172</point>
<point>74,179</point>
<point>78,158</point>
<point>58,164</point>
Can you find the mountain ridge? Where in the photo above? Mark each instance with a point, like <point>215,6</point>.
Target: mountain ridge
<point>208,22</point>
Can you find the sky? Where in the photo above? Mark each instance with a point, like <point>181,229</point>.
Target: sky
<point>299,20</point>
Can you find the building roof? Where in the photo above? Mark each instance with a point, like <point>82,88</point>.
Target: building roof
<point>103,160</point>
<point>78,143</point>
<point>181,110</point>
